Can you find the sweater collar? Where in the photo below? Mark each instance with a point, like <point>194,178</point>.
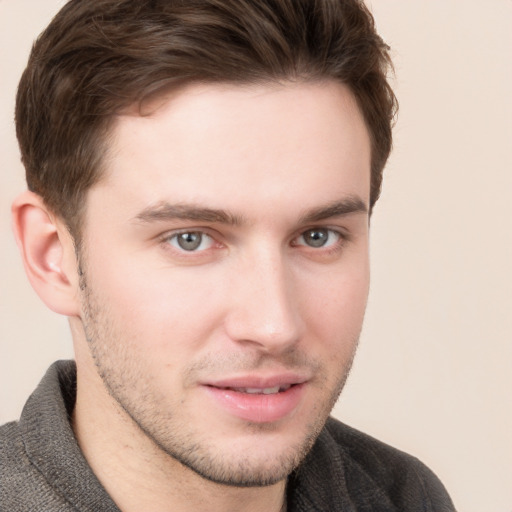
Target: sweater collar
<point>51,445</point>
<point>319,482</point>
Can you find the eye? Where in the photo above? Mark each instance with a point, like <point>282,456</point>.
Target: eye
<point>191,241</point>
<point>318,237</point>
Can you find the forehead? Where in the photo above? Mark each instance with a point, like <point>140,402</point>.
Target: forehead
<point>231,145</point>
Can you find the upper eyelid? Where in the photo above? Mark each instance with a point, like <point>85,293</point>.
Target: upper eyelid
<point>185,231</point>
<point>181,253</point>
<point>179,231</point>
<point>343,232</point>
<point>339,232</point>
<point>219,237</point>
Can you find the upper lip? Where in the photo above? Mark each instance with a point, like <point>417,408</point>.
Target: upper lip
<point>259,381</point>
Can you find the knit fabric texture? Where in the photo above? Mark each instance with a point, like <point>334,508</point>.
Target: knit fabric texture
<point>43,469</point>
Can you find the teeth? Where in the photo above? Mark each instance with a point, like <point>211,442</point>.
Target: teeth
<point>263,391</point>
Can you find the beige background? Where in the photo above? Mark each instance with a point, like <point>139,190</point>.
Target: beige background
<point>433,376</point>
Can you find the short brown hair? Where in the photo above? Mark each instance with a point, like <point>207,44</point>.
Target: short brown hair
<point>98,57</point>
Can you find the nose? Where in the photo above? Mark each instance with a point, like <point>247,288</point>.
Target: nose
<point>264,306</point>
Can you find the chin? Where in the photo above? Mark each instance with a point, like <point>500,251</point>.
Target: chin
<point>264,455</point>
<point>247,470</point>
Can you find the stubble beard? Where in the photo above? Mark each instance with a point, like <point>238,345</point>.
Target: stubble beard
<point>130,388</point>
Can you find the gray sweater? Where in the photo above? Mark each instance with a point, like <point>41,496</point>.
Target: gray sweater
<point>43,470</point>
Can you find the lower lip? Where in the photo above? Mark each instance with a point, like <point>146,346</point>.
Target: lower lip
<point>258,408</point>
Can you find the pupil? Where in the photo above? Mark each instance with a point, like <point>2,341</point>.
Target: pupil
<point>316,237</point>
<point>189,241</point>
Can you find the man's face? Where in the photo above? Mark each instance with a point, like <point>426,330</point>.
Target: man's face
<point>226,271</point>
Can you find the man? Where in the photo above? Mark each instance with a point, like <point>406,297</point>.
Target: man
<point>201,176</point>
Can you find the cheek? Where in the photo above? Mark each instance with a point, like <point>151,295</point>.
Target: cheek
<point>335,307</point>
<point>165,309</point>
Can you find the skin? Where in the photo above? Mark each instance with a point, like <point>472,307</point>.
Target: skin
<point>284,168</point>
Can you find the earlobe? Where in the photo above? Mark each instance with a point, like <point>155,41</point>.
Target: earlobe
<point>48,253</point>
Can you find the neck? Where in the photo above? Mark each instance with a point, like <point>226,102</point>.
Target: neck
<point>138,475</point>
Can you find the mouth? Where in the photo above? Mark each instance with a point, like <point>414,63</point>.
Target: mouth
<point>258,402</point>
<point>260,391</point>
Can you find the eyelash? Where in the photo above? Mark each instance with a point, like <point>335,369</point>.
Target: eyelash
<point>328,244</point>
<point>332,248</point>
<point>201,234</point>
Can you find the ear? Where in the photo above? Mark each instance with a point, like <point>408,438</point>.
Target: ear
<point>48,254</point>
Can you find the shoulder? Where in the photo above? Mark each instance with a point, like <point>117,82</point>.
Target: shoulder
<point>376,457</point>
<point>408,483</point>
<point>13,460</point>
<point>349,470</point>
<point>23,486</point>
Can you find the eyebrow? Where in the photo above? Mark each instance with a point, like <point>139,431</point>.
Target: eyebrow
<point>164,211</point>
<point>347,206</point>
